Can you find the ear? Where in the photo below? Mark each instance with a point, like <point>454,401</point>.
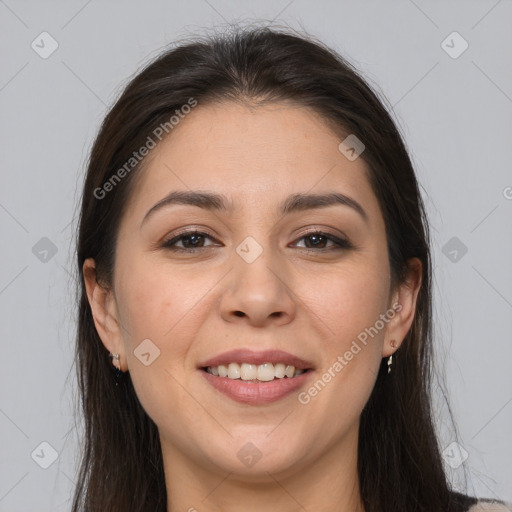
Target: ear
<point>403,301</point>
<point>104,312</point>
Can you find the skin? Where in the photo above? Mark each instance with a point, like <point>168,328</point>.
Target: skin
<point>312,304</point>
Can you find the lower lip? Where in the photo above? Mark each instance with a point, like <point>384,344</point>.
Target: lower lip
<point>257,393</point>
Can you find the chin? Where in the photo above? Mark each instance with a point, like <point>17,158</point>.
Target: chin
<point>252,458</point>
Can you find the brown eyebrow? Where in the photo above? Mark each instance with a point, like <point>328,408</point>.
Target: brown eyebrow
<point>219,202</point>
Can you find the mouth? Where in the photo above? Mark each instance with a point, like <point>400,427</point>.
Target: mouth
<point>256,377</point>
<point>248,372</point>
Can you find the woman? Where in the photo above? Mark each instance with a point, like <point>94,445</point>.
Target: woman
<point>255,271</point>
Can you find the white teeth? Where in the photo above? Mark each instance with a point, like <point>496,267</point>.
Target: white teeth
<point>279,369</point>
<point>263,372</point>
<point>266,372</point>
<point>248,371</point>
<point>234,371</point>
<point>289,371</point>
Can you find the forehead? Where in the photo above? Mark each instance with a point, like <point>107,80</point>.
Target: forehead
<point>254,156</point>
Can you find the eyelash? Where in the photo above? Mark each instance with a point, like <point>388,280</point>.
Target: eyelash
<point>340,243</point>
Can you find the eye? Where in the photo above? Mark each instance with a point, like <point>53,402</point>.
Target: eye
<point>318,239</point>
<point>193,240</point>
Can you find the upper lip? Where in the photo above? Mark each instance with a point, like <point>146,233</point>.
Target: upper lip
<point>261,357</point>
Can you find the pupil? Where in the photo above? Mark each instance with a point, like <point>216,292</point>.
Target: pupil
<point>317,238</point>
<point>191,237</point>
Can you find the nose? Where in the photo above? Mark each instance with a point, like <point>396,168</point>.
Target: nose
<point>258,293</point>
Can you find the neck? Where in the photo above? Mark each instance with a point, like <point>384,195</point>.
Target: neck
<point>329,483</point>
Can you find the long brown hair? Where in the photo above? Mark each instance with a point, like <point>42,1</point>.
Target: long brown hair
<point>399,462</point>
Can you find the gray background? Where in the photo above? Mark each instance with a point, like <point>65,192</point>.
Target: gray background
<point>455,115</point>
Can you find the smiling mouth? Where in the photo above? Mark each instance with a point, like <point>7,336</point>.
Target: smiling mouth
<point>254,373</point>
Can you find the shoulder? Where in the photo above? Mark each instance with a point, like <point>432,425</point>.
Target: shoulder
<point>491,506</point>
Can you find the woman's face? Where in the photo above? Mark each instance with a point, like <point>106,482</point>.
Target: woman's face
<point>257,282</point>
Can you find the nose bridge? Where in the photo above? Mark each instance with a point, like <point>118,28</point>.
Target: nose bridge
<point>258,286</point>
<point>256,265</point>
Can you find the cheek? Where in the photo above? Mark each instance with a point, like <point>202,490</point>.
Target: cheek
<point>352,302</point>
<point>153,298</point>
<point>348,300</point>
<point>155,306</point>
<point>163,304</point>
